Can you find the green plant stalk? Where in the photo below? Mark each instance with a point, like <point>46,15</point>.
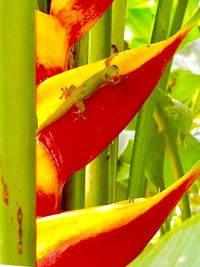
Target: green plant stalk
<point>145,120</point>
<point>83,50</point>
<point>98,180</point>
<point>162,21</point>
<point>176,25</point>
<point>172,150</point>
<point>77,199</point>
<point>171,144</point>
<point>118,23</point>
<point>78,190</point>
<point>17,134</point>
<point>178,16</point>
<point>117,39</point>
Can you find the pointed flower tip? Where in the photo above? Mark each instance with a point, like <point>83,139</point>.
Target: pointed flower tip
<point>60,239</point>
<point>196,169</point>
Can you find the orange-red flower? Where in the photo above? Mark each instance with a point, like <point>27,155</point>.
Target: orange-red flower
<point>96,236</point>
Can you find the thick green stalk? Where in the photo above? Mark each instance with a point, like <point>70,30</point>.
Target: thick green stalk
<point>83,46</point>
<point>17,134</point>
<point>100,38</point>
<point>172,150</point>
<point>77,198</point>
<point>162,20</point>
<point>171,143</point>
<point>137,180</point>
<point>118,23</point>
<point>117,40</point>
<point>178,16</point>
<point>141,149</point>
<point>98,180</point>
<point>78,190</point>
<point>176,25</point>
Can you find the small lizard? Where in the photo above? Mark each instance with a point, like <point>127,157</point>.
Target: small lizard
<point>75,96</point>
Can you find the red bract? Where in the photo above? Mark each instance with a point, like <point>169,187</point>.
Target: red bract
<point>74,141</point>
<point>110,235</point>
<point>78,16</point>
<point>67,22</point>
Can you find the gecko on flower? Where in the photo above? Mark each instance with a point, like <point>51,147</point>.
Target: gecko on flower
<point>75,95</point>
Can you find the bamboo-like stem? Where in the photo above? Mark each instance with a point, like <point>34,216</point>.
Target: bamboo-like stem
<point>83,46</point>
<point>141,149</point>
<point>98,180</point>
<point>176,25</point>
<point>118,23</point>
<point>172,150</point>
<point>117,39</point>
<point>171,144</point>
<point>78,190</point>
<point>17,134</point>
<point>77,196</point>
<point>178,17</point>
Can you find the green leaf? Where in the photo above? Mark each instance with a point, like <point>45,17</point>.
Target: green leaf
<point>183,85</point>
<point>139,21</point>
<point>189,153</point>
<point>126,156</point>
<point>179,247</point>
<point>154,164</point>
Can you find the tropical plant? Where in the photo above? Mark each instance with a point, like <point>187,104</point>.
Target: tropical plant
<point>80,111</point>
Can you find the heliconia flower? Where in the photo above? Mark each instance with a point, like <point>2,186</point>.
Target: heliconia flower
<point>72,141</point>
<point>111,235</point>
<point>55,33</point>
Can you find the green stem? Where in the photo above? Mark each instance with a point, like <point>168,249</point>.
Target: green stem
<point>118,23</point>
<point>113,154</point>
<point>178,16</point>
<point>162,20</point>
<point>73,195</point>
<point>117,39</point>
<point>17,134</point>
<point>83,46</point>
<point>141,149</point>
<point>98,180</point>
<point>77,190</point>
<point>172,150</point>
<point>137,180</point>
<point>171,144</point>
<point>98,185</point>
<point>176,25</point>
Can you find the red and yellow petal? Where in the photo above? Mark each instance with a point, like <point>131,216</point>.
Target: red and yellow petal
<point>74,141</point>
<point>78,16</point>
<point>48,188</point>
<point>110,235</point>
<point>55,33</point>
<point>51,47</point>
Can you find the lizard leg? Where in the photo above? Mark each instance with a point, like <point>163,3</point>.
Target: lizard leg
<point>81,109</point>
<point>67,91</point>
